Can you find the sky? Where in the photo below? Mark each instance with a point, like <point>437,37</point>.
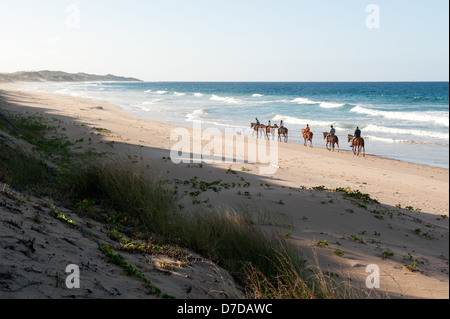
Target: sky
<point>229,40</point>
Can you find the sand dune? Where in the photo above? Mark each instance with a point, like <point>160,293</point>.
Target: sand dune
<point>410,197</point>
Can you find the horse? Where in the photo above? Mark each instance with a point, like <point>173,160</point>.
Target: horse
<point>307,136</point>
<point>331,140</point>
<point>257,128</point>
<point>357,145</point>
<point>283,131</point>
<point>271,129</point>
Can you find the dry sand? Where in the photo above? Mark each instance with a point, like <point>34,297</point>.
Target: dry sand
<point>307,216</point>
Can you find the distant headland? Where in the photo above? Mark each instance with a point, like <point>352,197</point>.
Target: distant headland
<point>59,76</point>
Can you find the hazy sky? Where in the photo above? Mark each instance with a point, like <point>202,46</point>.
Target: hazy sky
<point>230,40</point>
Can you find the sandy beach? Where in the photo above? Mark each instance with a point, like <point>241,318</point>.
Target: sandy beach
<point>410,197</point>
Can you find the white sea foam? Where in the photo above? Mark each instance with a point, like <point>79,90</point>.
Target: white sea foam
<point>298,121</point>
<point>400,131</point>
<point>144,108</point>
<point>198,114</point>
<point>179,94</point>
<point>198,94</point>
<point>329,105</point>
<point>386,140</point>
<point>242,129</point>
<point>400,141</point>
<point>228,100</point>
<point>147,91</point>
<point>161,92</point>
<point>257,95</point>
<point>301,100</point>
<point>151,102</point>
<point>325,105</point>
<point>439,118</point>
<point>194,116</point>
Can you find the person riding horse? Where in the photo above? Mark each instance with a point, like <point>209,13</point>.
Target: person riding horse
<point>332,133</point>
<point>258,127</point>
<point>307,129</point>
<point>331,138</point>
<point>307,134</point>
<point>357,142</point>
<point>357,134</point>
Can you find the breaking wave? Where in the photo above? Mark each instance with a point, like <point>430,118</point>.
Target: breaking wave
<point>196,115</point>
<point>298,121</point>
<point>229,100</point>
<point>401,141</point>
<point>322,104</point>
<point>439,118</point>
<point>400,131</point>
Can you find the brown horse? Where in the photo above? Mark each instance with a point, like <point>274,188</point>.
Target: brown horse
<point>331,140</point>
<point>357,145</point>
<point>258,129</point>
<point>283,131</point>
<point>307,136</point>
<point>271,130</point>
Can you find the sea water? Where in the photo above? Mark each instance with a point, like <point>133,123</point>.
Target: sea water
<point>407,121</point>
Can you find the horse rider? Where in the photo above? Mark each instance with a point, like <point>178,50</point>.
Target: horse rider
<point>357,134</point>
<point>307,129</point>
<point>257,121</point>
<point>269,124</point>
<point>332,133</point>
<point>281,124</point>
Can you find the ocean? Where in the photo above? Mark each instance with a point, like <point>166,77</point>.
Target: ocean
<point>406,121</point>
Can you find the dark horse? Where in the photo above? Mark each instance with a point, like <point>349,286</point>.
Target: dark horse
<point>258,129</point>
<point>282,131</point>
<point>357,145</point>
<point>271,130</point>
<point>307,136</point>
<point>331,140</point>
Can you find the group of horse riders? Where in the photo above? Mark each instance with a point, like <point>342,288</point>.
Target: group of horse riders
<point>269,124</point>
<point>282,131</point>
<point>355,140</point>
<point>333,133</point>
